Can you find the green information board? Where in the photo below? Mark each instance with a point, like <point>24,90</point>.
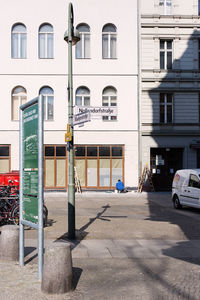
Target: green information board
<point>30,163</point>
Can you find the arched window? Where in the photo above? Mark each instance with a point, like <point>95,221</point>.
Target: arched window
<point>109,41</point>
<point>18,41</point>
<point>19,97</point>
<point>83,96</point>
<point>48,94</point>
<point>46,41</point>
<point>83,46</point>
<point>109,98</point>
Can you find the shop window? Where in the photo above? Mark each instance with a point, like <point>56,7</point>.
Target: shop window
<point>92,173</point>
<point>99,166</point>
<point>104,172</point>
<point>91,151</point>
<point>104,151</point>
<point>80,151</point>
<point>49,151</point>
<point>80,168</point>
<point>55,166</point>
<point>116,151</point>
<point>60,151</point>
<point>4,159</point>
<point>117,171</point>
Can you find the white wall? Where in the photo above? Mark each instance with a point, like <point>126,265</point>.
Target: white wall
<point>95,73</point>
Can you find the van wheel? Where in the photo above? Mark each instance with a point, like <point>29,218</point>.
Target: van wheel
<point>177,204</point>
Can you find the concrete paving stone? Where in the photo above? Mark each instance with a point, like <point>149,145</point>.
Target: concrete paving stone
<point>96,248</point>
<point>133,249</point>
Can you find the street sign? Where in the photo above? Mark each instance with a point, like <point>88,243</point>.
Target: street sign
<point>68,137</point>
<point>81,118</point>
<point>97,112</point>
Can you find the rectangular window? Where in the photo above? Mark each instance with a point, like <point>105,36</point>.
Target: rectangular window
<point>99,166</point>
<point>4,159</point>
<point>165,7</point>
<point>55,166</point>
<point>166,108</point>
<point>165,54</point>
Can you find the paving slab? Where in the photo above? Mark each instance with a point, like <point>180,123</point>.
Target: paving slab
<point>130,246</point>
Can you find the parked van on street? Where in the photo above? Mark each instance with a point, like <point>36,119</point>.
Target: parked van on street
<point>186,188</point>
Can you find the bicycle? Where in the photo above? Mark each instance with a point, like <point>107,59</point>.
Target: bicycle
<point>9,205</point>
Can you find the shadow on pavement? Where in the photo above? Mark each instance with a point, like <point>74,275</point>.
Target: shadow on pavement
<point>82,233</point>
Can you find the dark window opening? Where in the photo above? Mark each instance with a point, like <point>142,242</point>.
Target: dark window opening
<point>49,151</point>
<point>4,151</point>
<point>91,151</point>
<point>116,151</point>
<point>60,151</point>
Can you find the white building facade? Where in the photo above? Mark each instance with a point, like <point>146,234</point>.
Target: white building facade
<point>105,73</point>
<point>170,92</point>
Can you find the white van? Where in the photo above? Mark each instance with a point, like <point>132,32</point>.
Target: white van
<point>186,188</point>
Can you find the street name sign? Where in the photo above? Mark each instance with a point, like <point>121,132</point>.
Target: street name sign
<point>81,118</point>
<point>97,112</point>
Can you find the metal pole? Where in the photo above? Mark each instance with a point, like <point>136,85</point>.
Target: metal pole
<point>71,186</point>
<point>40,189</point>
<point>21,226</point>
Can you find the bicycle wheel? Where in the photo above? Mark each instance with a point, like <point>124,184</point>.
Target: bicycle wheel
<point>15,215</point>
<point>45,215</point>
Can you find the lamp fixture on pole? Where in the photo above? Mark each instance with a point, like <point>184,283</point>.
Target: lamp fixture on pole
<point>71,37</point>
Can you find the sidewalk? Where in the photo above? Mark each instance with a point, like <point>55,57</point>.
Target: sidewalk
<point>134,247</point>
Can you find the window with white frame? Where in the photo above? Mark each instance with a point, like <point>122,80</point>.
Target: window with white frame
<point>165,7</point>
<point>46,44</point>
<point>166,54</point>
<point>82,96</point>
<point>18,41</point>
<point>109,98</point>
<point>166,108</point>
<point>19,97</point>
<point>109,41</point>
<point>48,94</point>
<point>83,46</point>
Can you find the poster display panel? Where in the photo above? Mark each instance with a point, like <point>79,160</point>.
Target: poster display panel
<point>30,163</point>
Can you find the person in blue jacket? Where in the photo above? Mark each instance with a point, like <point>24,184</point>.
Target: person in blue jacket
<point>120,186</point>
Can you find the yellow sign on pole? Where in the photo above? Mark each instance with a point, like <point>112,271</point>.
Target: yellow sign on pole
<point>68,137</point>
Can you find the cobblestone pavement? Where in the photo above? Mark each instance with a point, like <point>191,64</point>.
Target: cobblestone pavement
<point>131,246</point>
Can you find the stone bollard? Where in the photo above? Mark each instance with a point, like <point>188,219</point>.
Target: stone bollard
<point>57,277</point>
<point>10,242</point>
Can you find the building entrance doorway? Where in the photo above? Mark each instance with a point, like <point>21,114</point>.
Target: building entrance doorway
<point>164,162</point>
